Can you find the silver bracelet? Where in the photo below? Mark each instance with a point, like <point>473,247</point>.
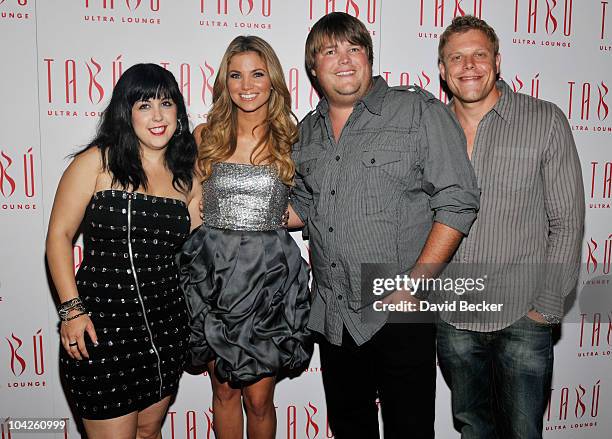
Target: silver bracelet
<point>70,305</point>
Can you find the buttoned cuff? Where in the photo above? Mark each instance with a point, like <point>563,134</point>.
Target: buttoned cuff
<point>549,304</point>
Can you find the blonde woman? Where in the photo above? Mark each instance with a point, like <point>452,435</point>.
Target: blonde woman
<point>245,281</point>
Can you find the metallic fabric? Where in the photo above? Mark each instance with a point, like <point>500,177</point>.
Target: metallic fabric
<point>244,197</point>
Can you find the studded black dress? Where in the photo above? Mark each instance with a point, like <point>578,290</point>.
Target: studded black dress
<point>128,280</point>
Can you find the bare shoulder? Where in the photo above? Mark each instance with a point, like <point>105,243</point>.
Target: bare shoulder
<point>77,185</point>
<point>88,162</point>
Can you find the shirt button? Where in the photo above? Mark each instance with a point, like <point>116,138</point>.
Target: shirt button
<point>339,296</point>
<point>337,157</point>
<point>333,265</point>
<point>373,161</point>
<point>333,192</point>
<point>331,229</point>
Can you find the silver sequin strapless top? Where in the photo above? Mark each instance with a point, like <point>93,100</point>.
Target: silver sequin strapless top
<point>244,197</point>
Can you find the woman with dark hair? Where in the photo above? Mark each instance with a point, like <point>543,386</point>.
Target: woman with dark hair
<point>124,324</point>
<point>245,281</point>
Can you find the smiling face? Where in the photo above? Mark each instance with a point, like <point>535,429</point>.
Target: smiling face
<point>343,71</point>
<point>248,83</point>
<point>154,122</point>
<point>469,67</point>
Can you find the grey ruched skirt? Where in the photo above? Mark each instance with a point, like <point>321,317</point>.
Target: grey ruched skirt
<point>248,299</point>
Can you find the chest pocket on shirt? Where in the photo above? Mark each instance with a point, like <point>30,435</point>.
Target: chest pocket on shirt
<point>385,171</point>
<point>517,170</point>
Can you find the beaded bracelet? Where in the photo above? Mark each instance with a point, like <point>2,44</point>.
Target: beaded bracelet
<point>75,304</point>
<point>74,317</point>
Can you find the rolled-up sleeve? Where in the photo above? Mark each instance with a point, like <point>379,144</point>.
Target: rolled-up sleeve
<point>448,176</point>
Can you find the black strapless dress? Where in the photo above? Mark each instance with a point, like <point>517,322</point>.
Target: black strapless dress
<point>128,281</point>
<point>245,281</point>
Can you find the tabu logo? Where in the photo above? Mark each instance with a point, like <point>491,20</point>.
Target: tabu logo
<point>28,359</point>
<point>17,180</point>
<point>111,12</point>
<point>554,16</point>
<point>588,103</point>
<point>574,407</point>
<point>365,10</point>
<point>131,5</point>
<point>437,12</point>
<point>262,8</point>
<point>601,185</point>
<point>192,425</point>
<point>242,15</point>
<point>527,86</point>
<point>599,256</point>
<point>69,81</point>
<point>310,423</point>
<point>600,333</point>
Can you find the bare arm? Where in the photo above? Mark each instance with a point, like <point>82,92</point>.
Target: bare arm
<point>439,247</point>
<point>194,201</point>
<point>74,192</point>
<point>294,220</point>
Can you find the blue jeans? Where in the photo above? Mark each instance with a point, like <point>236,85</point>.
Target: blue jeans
<point>499,381</point>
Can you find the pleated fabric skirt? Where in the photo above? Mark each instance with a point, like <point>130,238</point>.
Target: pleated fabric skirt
<point>248,300</point>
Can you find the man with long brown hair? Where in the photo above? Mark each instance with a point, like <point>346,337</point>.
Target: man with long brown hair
<point>382,177</point>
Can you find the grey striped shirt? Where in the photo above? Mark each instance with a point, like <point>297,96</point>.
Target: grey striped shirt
<point>372,197</point>
<point>530,224</point>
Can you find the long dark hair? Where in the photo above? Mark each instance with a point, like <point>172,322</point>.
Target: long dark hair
<point>118,143</point>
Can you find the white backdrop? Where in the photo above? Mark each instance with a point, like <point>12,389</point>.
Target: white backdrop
<point>61,58</point>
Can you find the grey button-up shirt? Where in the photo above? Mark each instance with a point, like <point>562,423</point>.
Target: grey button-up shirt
<point>372,197</point>
<point>528,234</point>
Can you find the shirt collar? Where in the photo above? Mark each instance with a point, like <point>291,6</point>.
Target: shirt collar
<point>503,106</point>
<point>373,100</point>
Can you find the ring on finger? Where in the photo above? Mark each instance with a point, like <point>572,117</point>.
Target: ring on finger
<point>74,343</point>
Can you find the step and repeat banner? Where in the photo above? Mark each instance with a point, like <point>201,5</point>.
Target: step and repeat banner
<point>60,60</point>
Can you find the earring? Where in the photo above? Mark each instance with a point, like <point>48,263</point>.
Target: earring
<point>179,131</point>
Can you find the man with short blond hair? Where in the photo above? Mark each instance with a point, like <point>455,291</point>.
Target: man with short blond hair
<point>528,233</point>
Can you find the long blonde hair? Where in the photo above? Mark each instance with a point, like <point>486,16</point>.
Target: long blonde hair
<point>219,135</point>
